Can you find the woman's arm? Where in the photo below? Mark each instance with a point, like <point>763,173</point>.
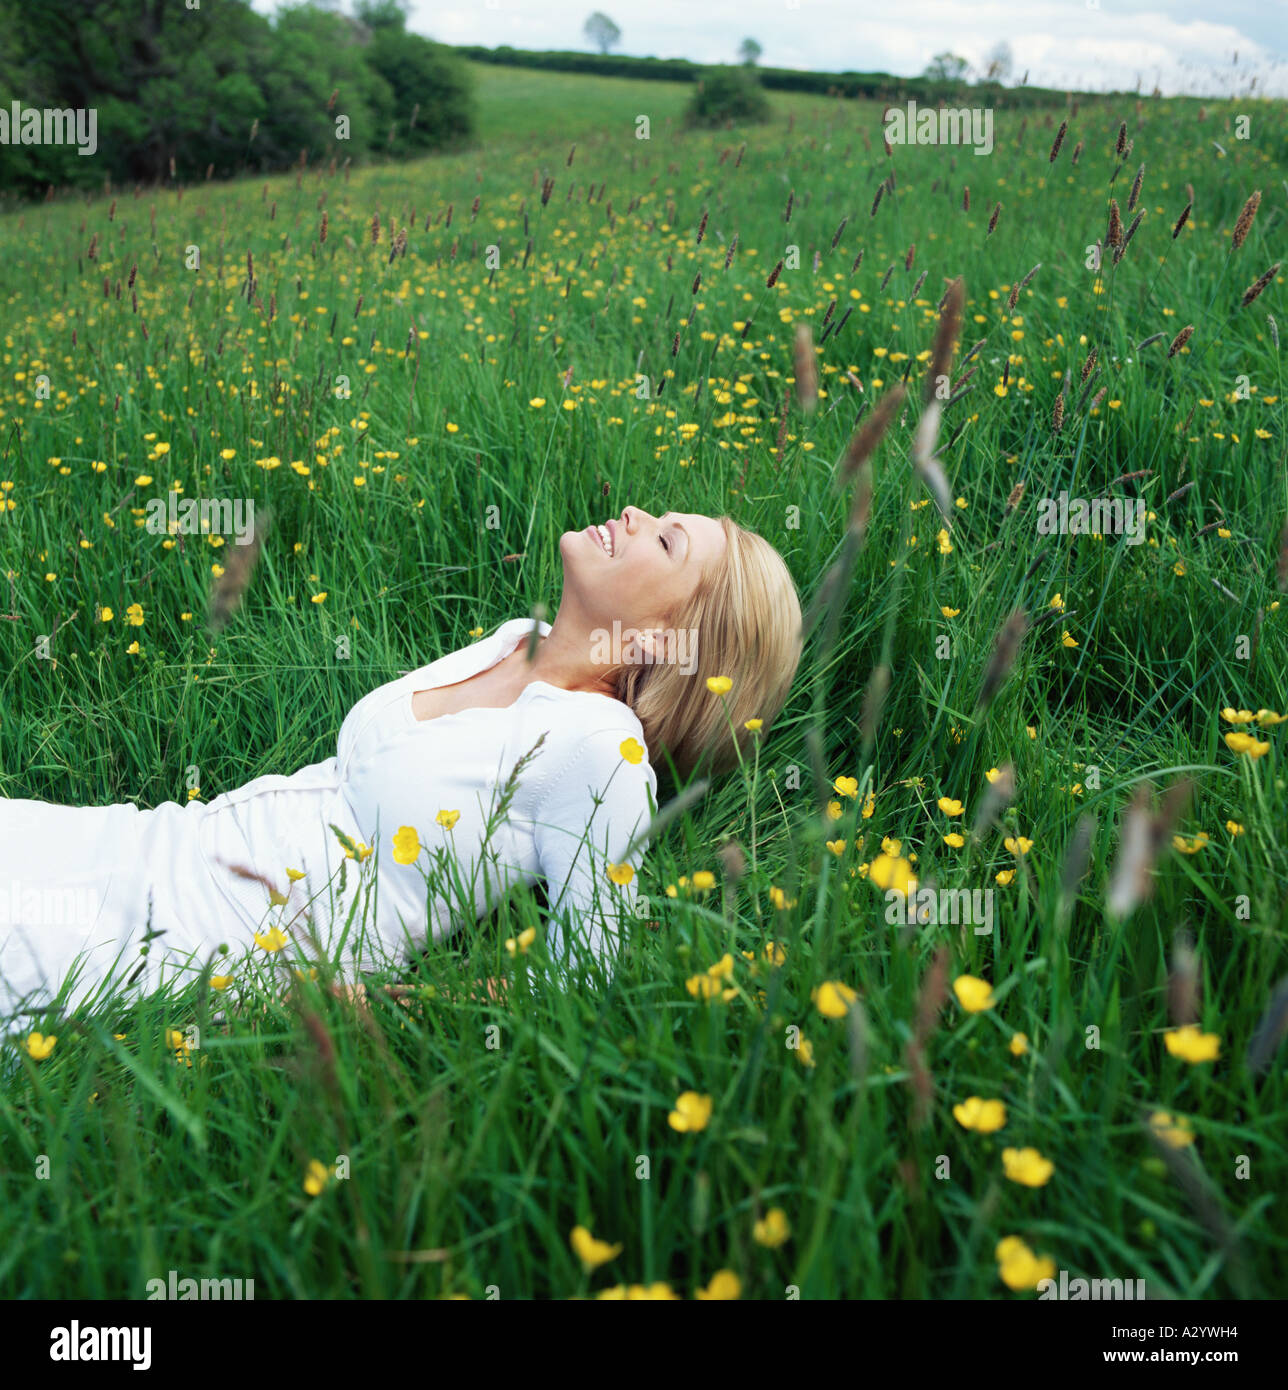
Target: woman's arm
<point>586,821</point>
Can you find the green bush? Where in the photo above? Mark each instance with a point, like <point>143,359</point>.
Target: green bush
<point>724,94</point>
<point>429,82</point>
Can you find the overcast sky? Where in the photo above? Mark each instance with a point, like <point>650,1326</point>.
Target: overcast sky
<point>1178,45</point>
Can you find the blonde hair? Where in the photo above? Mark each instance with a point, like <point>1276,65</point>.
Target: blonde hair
<point>746,615</point>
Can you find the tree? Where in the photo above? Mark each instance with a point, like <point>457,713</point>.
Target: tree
<point>999,63</point>
<point>382,14</point>
<point>725,96</point>
<point>749,50</point>
<point>602,32</point>
<point>431,106</point>
<point>946,67</point>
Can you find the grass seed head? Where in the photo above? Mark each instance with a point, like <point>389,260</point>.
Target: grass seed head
<point>1244,224</point>
<point>1254,289</point>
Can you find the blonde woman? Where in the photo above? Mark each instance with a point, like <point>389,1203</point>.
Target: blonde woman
<point>491,767</point>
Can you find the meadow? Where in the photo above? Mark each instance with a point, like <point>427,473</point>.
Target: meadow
<point>783,1093</point>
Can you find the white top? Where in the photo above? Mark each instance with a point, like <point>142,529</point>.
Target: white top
<point>76,879</point>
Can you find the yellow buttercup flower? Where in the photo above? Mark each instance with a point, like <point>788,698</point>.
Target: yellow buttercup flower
<point>984,1116</point>
<point>39,1047</point>
<point>724,1285</point>
<point>1174,1131</point>
<point>1019,1044</point>
<point>406,845</point>
<point>954,841</point>
<point>220,982</point>
<point>891,871</point>
<point>317,1177</point>
<point>780,899</point>
<point>753,724</point>
<point>1189,846</point>
<point>691,1114</point>
<point>1191,1045</point>
<point>1017,844</point>
<point>950,807</point>
<point>722,969</point>
<point>973,994</point>
<point>1237,716</point>
<point>1245,743</point>
<point>992,774</point>
<point>869,805</point>
<point>447,819</point>
<point>519,945</point>
<point>1019,1267</point>
<point>704,880</point>
<point>719,685</point>
<point>846,786</point>
<point>633,1293</point>
<point>1269,717</point>
<point>632,750</point>
<point>836,846</point>
<point>272,940</point>
<point>1027,1166</point>
<point>591,1252</point>
<point>707,986</point>
<point>772,1230</point>
<point>833,998</point>
<point>620,874</point>
<point>1067,639</point>
<point>1234,827</point>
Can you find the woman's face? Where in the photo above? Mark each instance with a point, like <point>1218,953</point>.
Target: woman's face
<point>653,569</point>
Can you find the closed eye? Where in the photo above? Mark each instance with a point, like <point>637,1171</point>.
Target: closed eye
<point>665,547</point>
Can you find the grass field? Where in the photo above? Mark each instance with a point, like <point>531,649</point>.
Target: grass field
<point>837,1050</point>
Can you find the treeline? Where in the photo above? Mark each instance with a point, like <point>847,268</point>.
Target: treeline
<point>221,90</point>
<point>882,86</point>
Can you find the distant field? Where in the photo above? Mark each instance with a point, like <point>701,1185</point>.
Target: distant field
<point>379,407</point>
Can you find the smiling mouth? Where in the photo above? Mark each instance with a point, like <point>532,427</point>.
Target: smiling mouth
<point>605,538</point>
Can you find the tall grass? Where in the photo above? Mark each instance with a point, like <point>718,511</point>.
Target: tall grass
<point>472,1136</point>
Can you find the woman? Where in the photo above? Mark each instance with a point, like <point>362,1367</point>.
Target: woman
<point>505,768</point>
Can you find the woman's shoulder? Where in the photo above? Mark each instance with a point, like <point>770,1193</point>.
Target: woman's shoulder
<point>601,739</point>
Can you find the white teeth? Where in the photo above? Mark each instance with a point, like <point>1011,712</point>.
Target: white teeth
<point>605,537</point>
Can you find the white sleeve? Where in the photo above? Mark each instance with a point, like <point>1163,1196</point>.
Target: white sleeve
<point>586,819</point>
